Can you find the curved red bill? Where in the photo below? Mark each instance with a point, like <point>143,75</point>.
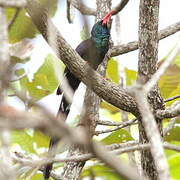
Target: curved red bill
<point>107,17</point>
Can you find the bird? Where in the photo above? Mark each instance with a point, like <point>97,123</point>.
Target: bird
<point>93,51</point>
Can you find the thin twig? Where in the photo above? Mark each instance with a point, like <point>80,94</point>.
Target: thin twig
<point>111,123</point>
<point>151,83</point>
<point>124,124</point>
<point>170,112</point>
<point>131,46</point>
<point>83,8</point>
<point>13,18</point>
<point>170,125</point>
<point>119,7</point>
<point>13,3</point>
<point>19,78</point>
<point>172,98</point>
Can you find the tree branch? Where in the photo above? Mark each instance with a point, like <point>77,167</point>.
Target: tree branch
<point>112,123</point>
<point>119,7</point>
<point>170,126</point>
<point>13,3</point>
<point>122,125</point>
<point>131,46</point>
<point>28,160</point>
<point>154,162</point>
<point>170,112</point>
<point>107,90</point>
<point>83,8</point>
<point>172,98</point>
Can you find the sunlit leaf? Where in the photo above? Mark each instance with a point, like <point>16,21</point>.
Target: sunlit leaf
<point>100,170</point>
<point>176,61</point>
<point>169,82</point>
<point>112,71</point>
<point>173,135</point>
<point>15,60</point>
<point>174,165</point>
<point>109,107</point>
<point>40,139</point>
<point>45,80</point>
<point>130,76</point>
<point>22,26</point>
<point>84,33</point>
<point>118,136</point>
<point>23,139</point>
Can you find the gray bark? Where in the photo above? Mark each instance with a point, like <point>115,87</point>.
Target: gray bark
<point>147,65</point>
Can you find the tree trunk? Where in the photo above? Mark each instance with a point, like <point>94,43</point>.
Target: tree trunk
<point>147,65</point>
<point>91,104</point>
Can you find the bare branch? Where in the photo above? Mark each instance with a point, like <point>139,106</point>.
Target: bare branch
<point>172,98</point>
<point>13,18</point>
<point>152,82</point>
<point>82,7</point>
<point>105,89</point>
<point>123,124</point>
<point>154,162</point>
<point>111,123</point>
<point>170,126</point>
<point>27,160</point>
<point>13,3</point>
<point>170,112</point>
<point>131,46</point>
<point>119,7</point>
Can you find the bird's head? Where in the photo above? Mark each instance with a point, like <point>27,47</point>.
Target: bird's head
<point>100,30</point>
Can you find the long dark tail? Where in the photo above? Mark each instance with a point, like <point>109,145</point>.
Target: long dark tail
<point>48,167</point>
<point>64,109</point>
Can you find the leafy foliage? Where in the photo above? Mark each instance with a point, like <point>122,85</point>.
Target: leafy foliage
<point>112,70</point>
<point>22,27</point>
<point>100,170</point>
<point>84,33</point>
<point>45,80</point>
<point>118,136</point>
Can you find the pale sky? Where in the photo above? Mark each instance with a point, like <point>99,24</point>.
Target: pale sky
<point>169,14</point>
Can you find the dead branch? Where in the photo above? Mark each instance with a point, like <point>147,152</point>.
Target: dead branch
<point>131,46</point>
<point>13,3</point>
<point>83,8</point>
<point>169,112</point>
<point>170,126</point>
<point>111,123</point>
<point>172,98</point>
<point>123,124</point>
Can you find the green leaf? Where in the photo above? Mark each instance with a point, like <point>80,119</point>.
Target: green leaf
<point>15,60</point>
<point>174,165</point>
<point>46,76</point>
<point>171,153</point>
<point>45,80</point>
<point>40,139</point>
<point>174,93</point>
<point>130,76</point>
<point>169,82</point>
<point>23,81</point>
<point>118,136</point>
<point>22,26</point>
<point>24,140</point>
<point>37,176</point>
<point>84,33</point>
<point>109,107</point>
<point>173,135</point>
<point>176,60</point>
<point>112,71</point>
<point>100,170</point>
